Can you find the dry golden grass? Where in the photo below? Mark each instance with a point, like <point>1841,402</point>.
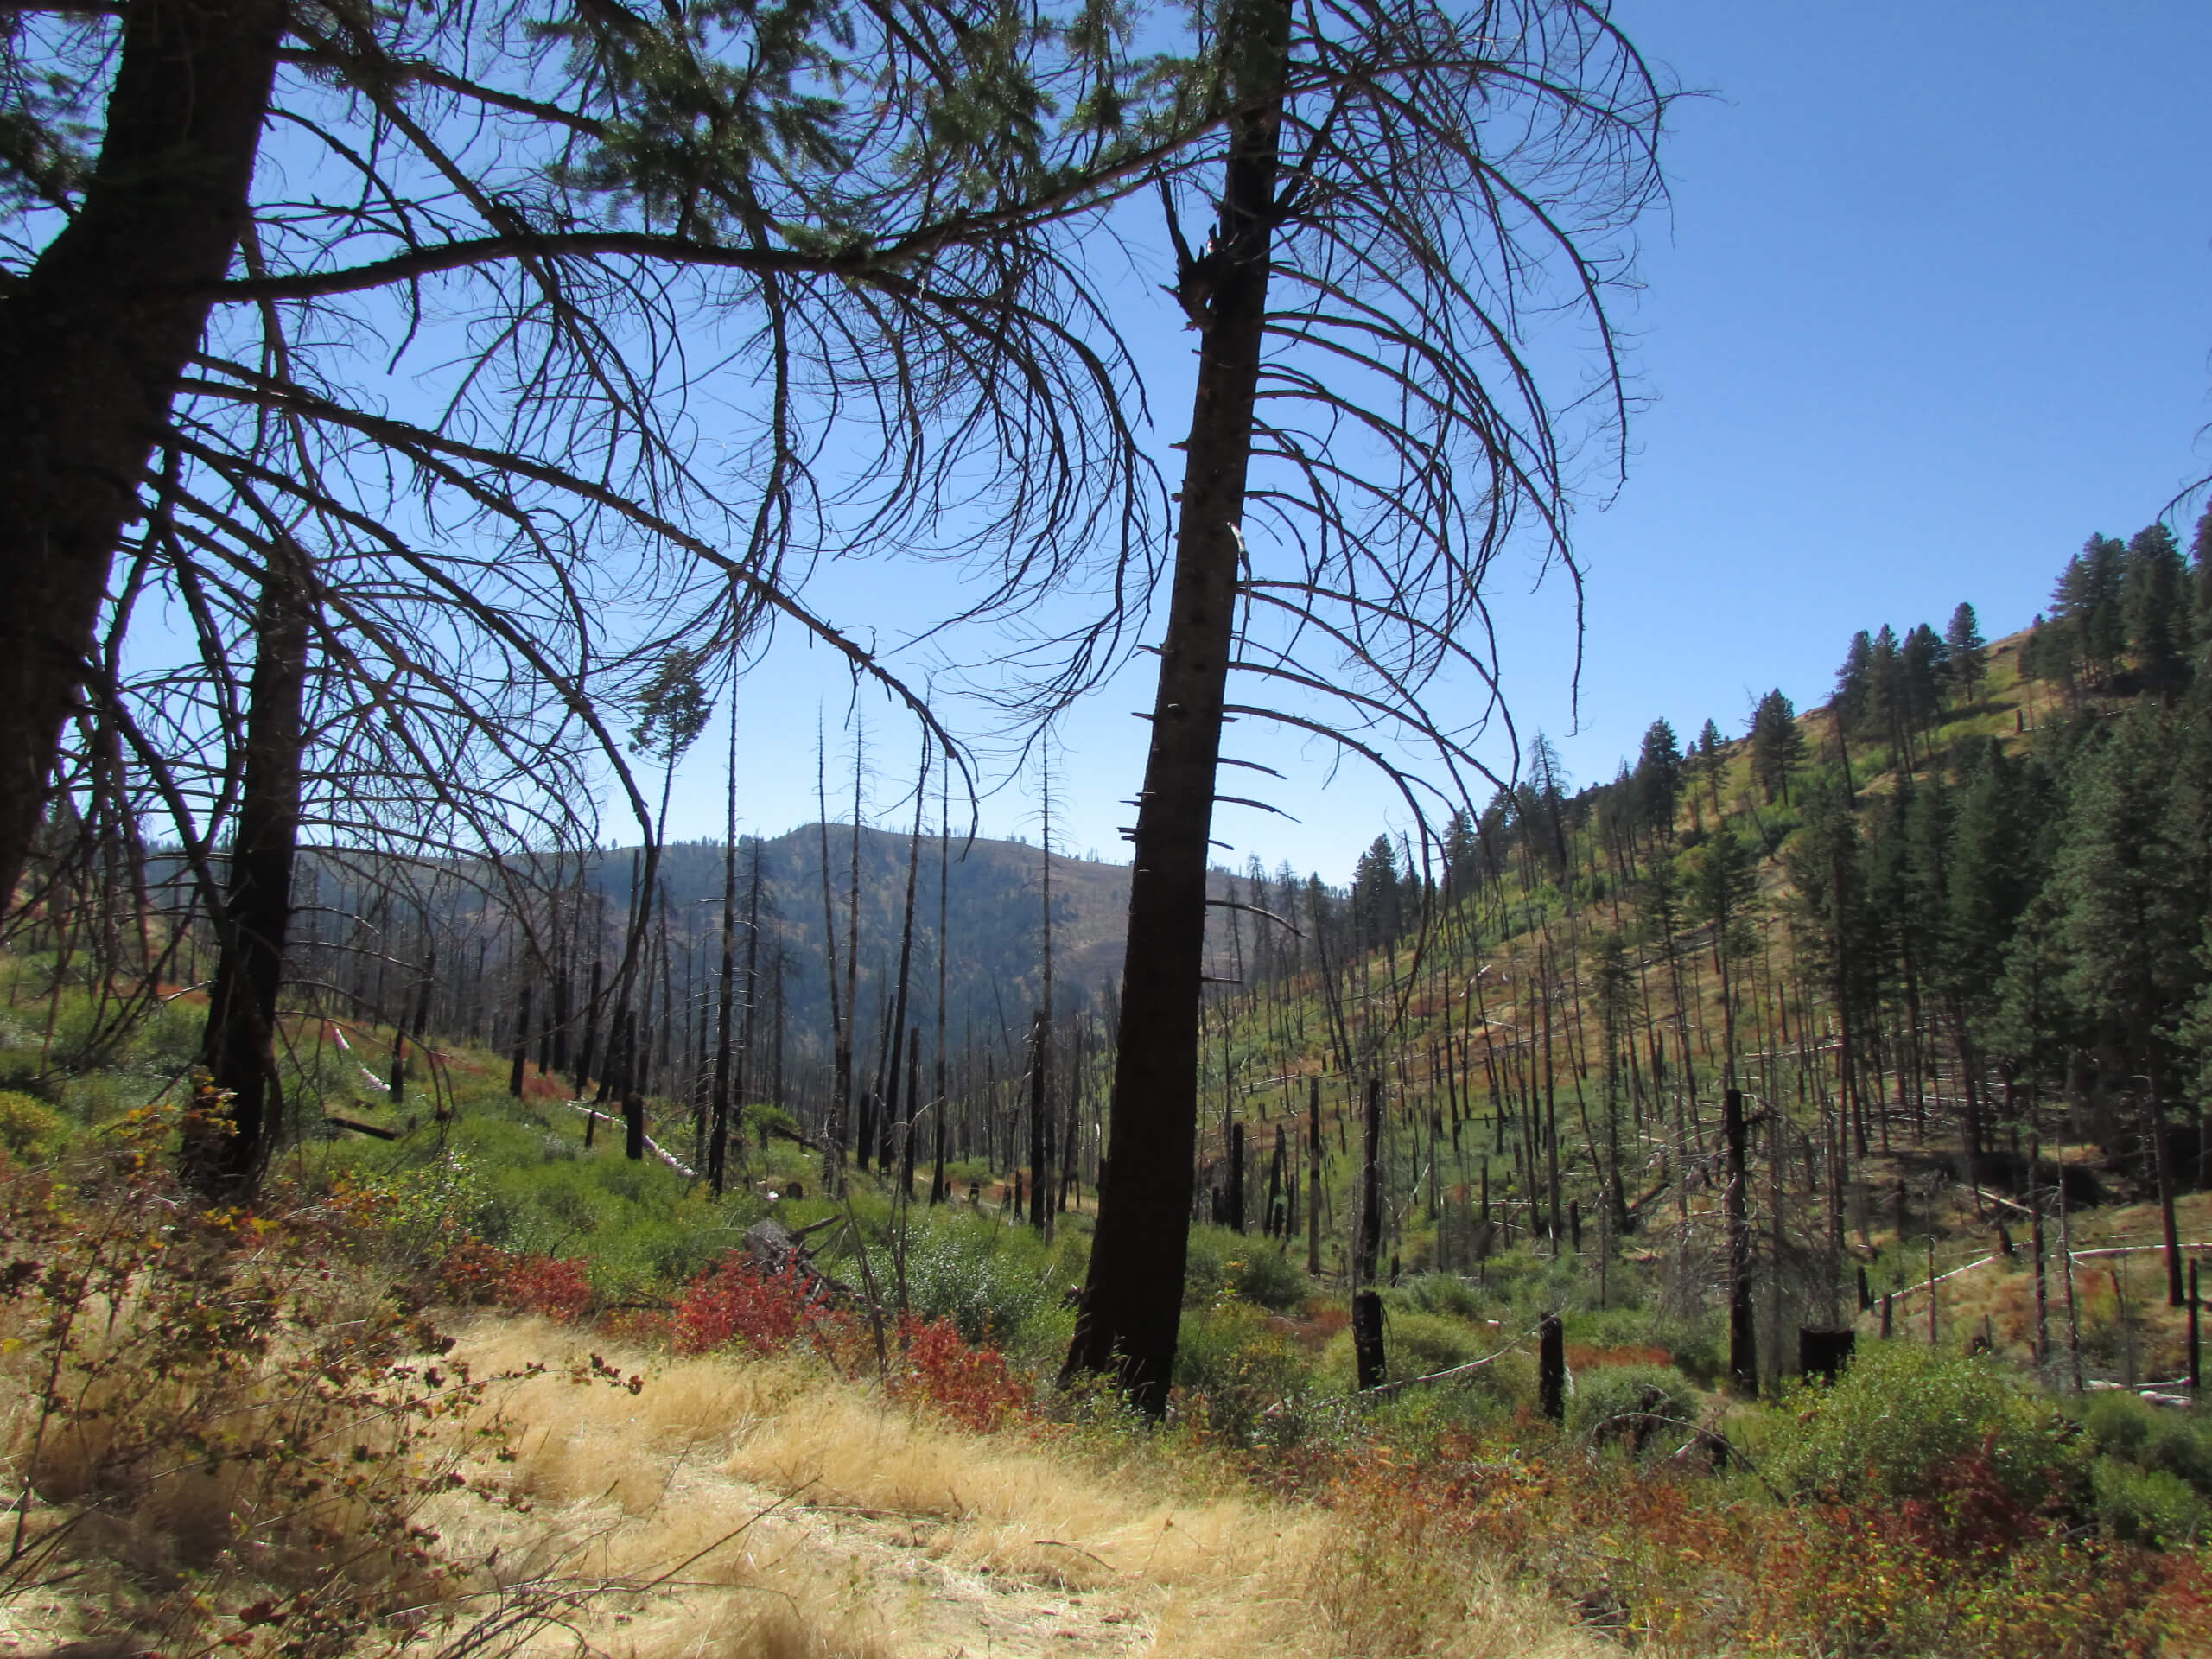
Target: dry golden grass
<point>818,1519</point>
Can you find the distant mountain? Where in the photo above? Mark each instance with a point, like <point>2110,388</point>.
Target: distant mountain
<point>993,914</point>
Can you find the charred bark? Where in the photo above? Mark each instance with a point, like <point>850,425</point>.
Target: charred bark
<point>1132,1299</point>
<point>223,1158</point>
<point>93,340</point>
<point>1743,1343</point>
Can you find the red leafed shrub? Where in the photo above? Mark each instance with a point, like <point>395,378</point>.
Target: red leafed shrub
<point>472,1273</point>
<point>737,1302</point>
<point>974,1386</point>
<point>546,1284</point>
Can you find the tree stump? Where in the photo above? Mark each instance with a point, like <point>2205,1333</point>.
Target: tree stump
<point>1367,1338</point>
<point>1823,1352</point>
<point>1551,1368</point>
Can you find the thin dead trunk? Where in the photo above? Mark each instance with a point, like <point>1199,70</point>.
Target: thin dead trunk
<point>903,1117</point>
<point>718,1133</point>
<point>223,1154</point>
<point>1132,1299</point>
<point>833,1117</point>
<point>1743,1343</point>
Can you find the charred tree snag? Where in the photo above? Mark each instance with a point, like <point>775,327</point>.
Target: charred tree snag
<point>223,1159</point>
<point>1235,1194</point>
<point>1551,1367</point>
<point>522,1044</point>
<point>1370,1188</point>
<point>1132,1298</point>
<point>93,341</point>
<point>1040,1156</point>
<point>1743,1342</point>
<point>718,1109</point>
<point>1313,1177</point>
<point>1367,1338</point>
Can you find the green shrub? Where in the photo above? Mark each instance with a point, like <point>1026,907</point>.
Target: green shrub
<point>1240,1373</point>
<point>1413,1344</point>
<point>169,1039</point>
<point>1898,1423</point>
<point>1206,1264</point>
<point>1608,1392</point>
<point>1696,1350</point>
<point>31,1130</point>
<point>991,1281</point>
<point>1266,1277</point>
<point>1443,1293</point>
<point>1419,1343</point>
<point>2122,1426</point>
<point>1612,1327</point>
<point>2117,1422</point>
<point>2148,1506</point>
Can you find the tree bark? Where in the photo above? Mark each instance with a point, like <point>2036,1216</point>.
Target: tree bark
<point>91,343</point>
<point>724,1008</point>
<point>1132,1299</point>
<point>1368,1262</point>
<point>223,1160</point>
<point>1040,1060</point>
<point>1743,1343</point>
<point>1313,1176</point>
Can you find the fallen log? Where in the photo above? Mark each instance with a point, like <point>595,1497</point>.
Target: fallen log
<point>770,1243</point>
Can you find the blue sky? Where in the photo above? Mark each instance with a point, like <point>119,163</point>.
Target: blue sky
<point>1932,303</point>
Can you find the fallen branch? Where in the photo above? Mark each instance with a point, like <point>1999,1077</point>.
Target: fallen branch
<point>1380,1388</point>
<point>771,1244</point>
<point>1914,1290</point>
<point>659,1151</point>
<point>2137,1249</point>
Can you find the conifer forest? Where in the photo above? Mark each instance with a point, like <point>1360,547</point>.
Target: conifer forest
<point>453,1206</point>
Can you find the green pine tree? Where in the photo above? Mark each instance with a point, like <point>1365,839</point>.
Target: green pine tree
<point>2154,611</point>
<point>1658,777</point>
<point>2133,908</point>
<point>2200,583</point>
<point>1777,745</point>
<point>1966,652</point>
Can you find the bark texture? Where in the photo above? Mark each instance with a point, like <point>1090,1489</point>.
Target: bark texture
<point>1132,1300</point>
<point>224,1158</point>
<point>91,343</point>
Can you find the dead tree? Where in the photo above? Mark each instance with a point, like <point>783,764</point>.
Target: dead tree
<point>1396,182</point>
<point>224,1158</point>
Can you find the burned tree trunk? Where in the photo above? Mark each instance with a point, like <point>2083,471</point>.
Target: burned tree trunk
<point>1132,1298</point>
<point>93,339</point>
<point>1743,1343</point>
<point>522,1044</point>
<point>719,1107</point>
<point>223,1158</point>
<point>1369,1256</point>
<point>1313,1178</point>
<point>1041,1184</point>
<point>1551,1367</point>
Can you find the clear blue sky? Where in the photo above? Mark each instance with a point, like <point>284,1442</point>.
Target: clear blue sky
<point>1933,302</point>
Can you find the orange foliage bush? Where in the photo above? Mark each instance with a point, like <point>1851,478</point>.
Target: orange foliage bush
<point>558,1288</point>
<point>736,1302</point>
<point>974,1386</point>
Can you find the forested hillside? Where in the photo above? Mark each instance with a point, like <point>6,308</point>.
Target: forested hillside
<point>1933,930</point>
